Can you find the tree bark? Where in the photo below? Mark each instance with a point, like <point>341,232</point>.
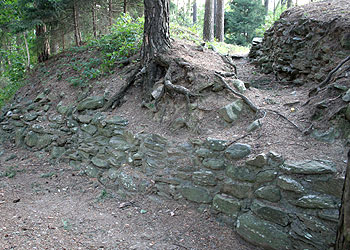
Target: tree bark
<point>194,13</point>
<point>125,6</point>
<point>94,27</point>
<point>77,36</point>
<point>266,6</point>
<point>27,49</point>
<point>220,13</point>
<point>156,40</point>
<point>208,29</point>
<point>343,233</point>
<point>110,13</point>
<point>43,45</point>
<point>63,41</point>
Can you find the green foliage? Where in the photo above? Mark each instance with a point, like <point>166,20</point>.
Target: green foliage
<point>185,33</point>
<point>241,21</point>
<point>123,41</point>
<point>9,89</point>
<point>270,19</point>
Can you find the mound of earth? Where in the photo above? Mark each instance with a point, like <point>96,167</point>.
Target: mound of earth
<point>280,131</point>
<point>306,43</point>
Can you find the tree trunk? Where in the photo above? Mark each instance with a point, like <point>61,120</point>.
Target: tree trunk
<point>27,49</point>
<point>194,13</point>
<point>343,233</point>
<point>289,3</point>
<point>110,13</point>
<point>156,40</point>
<point>220,13</point>
<point>94,27</point>
<point>125,6</point>
<point>215,10</point>
<point>208,29</point>
<point>77,36</point>
<point>63,41</point>
<point>266,7</point>
<point>43,45</point>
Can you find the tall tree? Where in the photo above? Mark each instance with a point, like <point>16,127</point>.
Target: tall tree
<point>220,21</point>
<point>77,34</point>
<point>266,4</point>
<point>194,12</point>
<point>242,20</point>
<point>94,19</point>
<point>343,233</point>
<point>208,27</point>
<point>110,12</point>
<point>156,40</point>
<point>125,7</point>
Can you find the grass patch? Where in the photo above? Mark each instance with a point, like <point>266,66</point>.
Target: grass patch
<point>7,90</point>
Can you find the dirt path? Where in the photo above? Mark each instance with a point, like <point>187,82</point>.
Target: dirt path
<point>51,206</point>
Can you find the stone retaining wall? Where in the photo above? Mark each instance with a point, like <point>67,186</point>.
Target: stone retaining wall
<point>270,202</point>
<point>302,49</point>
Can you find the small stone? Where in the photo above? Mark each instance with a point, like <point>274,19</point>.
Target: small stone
<point>328,136</point>
<point>196,194</point>
<point>88,128</point>
<point>227,204</point>
<point>241,173</point>
<point>98,162</point>
<point>158,91</point>
<point>287,183</point>
<point>347,112</point>
<point>254,126</point>
<point>238,189</point>
<point>262,233</point>
<point>57,152</point>
<point>270,213</point>
<point>216,144</point>
<point>315,201</point>
<point>204,178</point>
<point>178,123</point>
<point>84,118</point>
<point>214,163</point>
<point>309,167</point>
<point>231,111</point>
<point>93,102</point>
<point>266,176</point>
<point>237,151</point>
<point>346,97</point>
<point>239,85</point>
<point>30,116</point>
<point>269,193</point>
<point>259,161</point>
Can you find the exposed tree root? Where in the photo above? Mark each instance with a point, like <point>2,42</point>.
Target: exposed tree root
<point>322,85</point>
<point>228,60</point>
<point>285,118</point>
<point>117,98</point>
<point>251,105</point>
<point>255,108</point>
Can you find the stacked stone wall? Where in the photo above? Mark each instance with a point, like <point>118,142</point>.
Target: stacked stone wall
<point>300,49</point>
<point>270,202</point>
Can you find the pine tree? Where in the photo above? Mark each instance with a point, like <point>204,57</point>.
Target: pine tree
<point>208,27</point>
<point>242,20</point>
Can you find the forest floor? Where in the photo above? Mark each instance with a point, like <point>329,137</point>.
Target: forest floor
<point>51,206</point>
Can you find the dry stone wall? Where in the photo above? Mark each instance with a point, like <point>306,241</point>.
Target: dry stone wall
<point>270,202</point>
<point>303,47</point>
